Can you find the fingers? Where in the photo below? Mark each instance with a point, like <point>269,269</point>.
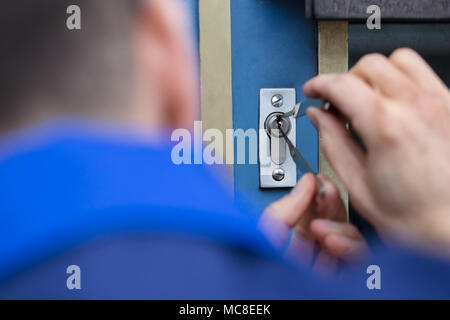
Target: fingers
<point>292,207</point>
<point>354,98</point>
<point>382,75</point>
<point>357,94</point>
<point>321,228</point>
<point>347,249</point>
<point>341,240</point>
<point>417,69</point>
<point>331,206</point>
<point>345,156</point>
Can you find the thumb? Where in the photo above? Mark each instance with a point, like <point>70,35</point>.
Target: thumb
<point>291,208</point>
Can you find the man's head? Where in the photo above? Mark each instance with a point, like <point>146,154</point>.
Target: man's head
<point>129,63</point>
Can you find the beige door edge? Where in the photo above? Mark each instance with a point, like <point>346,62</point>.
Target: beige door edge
<point>215,65</point>
<point>333,58</point>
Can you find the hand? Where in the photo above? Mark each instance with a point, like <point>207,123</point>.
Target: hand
<point>316,220</point>
<point>401,111</point>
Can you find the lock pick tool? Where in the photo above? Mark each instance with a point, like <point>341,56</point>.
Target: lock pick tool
<point>299,159</point>
<point>299,110</point>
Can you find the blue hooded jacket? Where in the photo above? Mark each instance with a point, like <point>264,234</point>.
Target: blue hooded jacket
<point>139,226</point>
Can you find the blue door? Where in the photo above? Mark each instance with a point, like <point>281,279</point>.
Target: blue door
<point>273,45</point>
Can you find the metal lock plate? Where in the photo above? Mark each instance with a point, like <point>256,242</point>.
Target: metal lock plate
<point>277,169</point>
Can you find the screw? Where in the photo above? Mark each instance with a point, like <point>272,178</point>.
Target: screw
<point>278,174</point>
<point>277,100</point>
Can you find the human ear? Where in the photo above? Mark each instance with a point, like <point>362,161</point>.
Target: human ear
<point>166,59</point>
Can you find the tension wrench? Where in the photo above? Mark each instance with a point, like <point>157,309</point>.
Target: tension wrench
<point>299,159</point>
<point>300,110</point>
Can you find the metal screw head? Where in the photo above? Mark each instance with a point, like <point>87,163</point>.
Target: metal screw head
<point>277,100</point>
<point>278,174</point>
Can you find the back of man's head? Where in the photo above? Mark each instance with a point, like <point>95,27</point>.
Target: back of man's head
<point>47,68</point>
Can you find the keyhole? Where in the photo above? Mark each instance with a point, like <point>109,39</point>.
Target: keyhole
<point>274,123</point>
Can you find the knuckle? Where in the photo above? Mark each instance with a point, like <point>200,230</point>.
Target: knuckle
<point>373,110</point>
<point>383,123</point>
<point>377,104</point>
<point>387,135</point>
<point>319,85</point>
<point>412,95</point>
<point>371,59</point>
<point>341,82</point>
<point>403,54</point>
<point>343,78</point>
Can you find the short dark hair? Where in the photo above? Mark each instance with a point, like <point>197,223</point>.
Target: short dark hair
<point>41,59</point>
